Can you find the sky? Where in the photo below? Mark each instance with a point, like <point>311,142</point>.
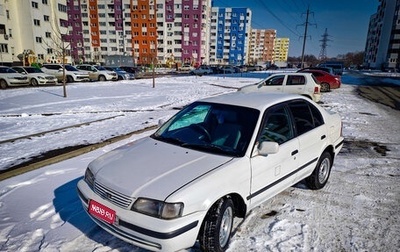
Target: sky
<point>346,22</point>
<point>358,210</point>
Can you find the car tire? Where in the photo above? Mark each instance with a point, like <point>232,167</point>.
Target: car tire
<point>70,79</point>
<point>320,175</point>
<point>102,78</point>
<point>3,84</point>
<point>215,232</point>
<point>325,87</point>
<point>34,82</point>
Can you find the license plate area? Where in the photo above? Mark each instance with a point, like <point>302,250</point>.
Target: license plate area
<point>101,212</point>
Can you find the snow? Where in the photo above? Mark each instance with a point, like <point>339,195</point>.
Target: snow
<point>358,210</point>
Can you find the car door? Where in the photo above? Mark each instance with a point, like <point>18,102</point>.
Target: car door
<point>274,84</point>
<point>311,134</point>
<point>274,172</point>
<point>295,84</point>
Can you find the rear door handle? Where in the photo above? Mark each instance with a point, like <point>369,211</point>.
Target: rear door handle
<point>323,137</point>
<point>295,152</point>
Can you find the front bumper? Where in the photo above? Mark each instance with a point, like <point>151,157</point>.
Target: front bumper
<point>145,231</point>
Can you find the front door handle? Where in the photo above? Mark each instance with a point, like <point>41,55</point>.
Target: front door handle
<point>295,152</point>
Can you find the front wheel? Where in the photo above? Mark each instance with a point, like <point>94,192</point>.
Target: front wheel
<point>3,84</point>
<point>217,226</point>
<point>102,78</point>
<point>320,175</point>
<point>34,82</point>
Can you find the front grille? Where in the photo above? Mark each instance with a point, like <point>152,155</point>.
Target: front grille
<point>112,196</point>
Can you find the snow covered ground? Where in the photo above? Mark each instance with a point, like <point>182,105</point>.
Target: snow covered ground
<point>358,210</point>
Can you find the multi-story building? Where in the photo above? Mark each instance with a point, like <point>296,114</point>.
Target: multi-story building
<point>182,29</point>
<point>261,49</point>
<point>382,50</point>
<point>281,50</point>
<point>32,31</point>
<point>230,29</point>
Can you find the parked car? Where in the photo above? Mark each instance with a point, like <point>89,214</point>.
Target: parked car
<point>71,73</point>
<point>9,78</point>
<point>296,83</point>
<point>122,75</point>
<point>186,68</point>
<point>98,73</point>
<point>253,68</point>
<point>216,159</point>
<point>137,71</point>
<point>36,76</point>
<point>326,80</point>
<point>227,69</point>
<point>202,70</point>
<point>325,69</point>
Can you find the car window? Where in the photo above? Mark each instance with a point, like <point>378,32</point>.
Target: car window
<point>296,80</point>
<point>275,81</point>
<point>196,116</point>
<point>277,126</point>
<point>19,70</point>
<point>303,117</point>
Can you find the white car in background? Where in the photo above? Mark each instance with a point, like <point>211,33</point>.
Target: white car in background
<point>9,78</point>
<point>98,73</point>
<point>202,70</point>
<point>71,73</point>
<point>36,76</point>
<point>216,159</point>
<point>295,83</point>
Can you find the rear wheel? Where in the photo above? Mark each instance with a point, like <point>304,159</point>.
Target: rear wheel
<point>102,78</point>
<point>3,84</point>
<point>325,87</point>
<point>217,226</point>
<point>320,175</point>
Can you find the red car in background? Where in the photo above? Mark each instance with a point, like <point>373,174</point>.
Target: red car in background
<point>326,80</point>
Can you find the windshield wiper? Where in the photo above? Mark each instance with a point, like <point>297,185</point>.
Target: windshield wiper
<point>169,140</point>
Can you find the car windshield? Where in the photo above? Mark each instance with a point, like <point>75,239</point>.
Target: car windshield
<point>100,68</point>
<point>211,127</point>
<point>7,70</point>
<point>70,68</point>
<point>33,70</point>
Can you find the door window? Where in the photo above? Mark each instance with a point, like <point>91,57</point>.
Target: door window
<point>277,126</point>
<point>275,81</point>
<point>296,80</point>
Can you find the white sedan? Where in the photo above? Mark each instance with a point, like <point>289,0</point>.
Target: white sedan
<point>214,160</point>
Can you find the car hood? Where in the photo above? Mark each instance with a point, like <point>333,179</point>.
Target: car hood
<point>151,168</point>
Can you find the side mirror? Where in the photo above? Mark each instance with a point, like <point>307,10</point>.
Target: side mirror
<point>265,148</point>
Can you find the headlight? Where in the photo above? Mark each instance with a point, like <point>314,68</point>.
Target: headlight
<point>89,178</point>
<point>158,208</point>
<point>41,77</point>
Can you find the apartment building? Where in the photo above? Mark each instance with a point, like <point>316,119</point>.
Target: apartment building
<point>382,50</point>
<point>31,31</point>
<point>261,49</point>
<point>182,31</point>
<point>230,29</point>
<point>281,51</point>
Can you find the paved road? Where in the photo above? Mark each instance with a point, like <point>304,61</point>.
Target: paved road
<point>389,96</point>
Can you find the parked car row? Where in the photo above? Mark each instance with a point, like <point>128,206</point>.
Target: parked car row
<point>52,74</point>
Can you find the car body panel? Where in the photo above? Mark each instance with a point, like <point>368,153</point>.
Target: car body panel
<point>295,83</point>
<point>173,172</point>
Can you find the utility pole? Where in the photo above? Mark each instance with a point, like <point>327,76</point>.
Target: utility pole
<point>306,24</point>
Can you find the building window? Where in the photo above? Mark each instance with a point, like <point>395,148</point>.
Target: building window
<point>44,2</point>
<point>36,22</point>
<point>48,34</point>
<point>39,39</point>
<point>46,18</point>
<point>35,5</point>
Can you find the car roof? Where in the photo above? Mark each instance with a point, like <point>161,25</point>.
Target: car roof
<point>257,100</point>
